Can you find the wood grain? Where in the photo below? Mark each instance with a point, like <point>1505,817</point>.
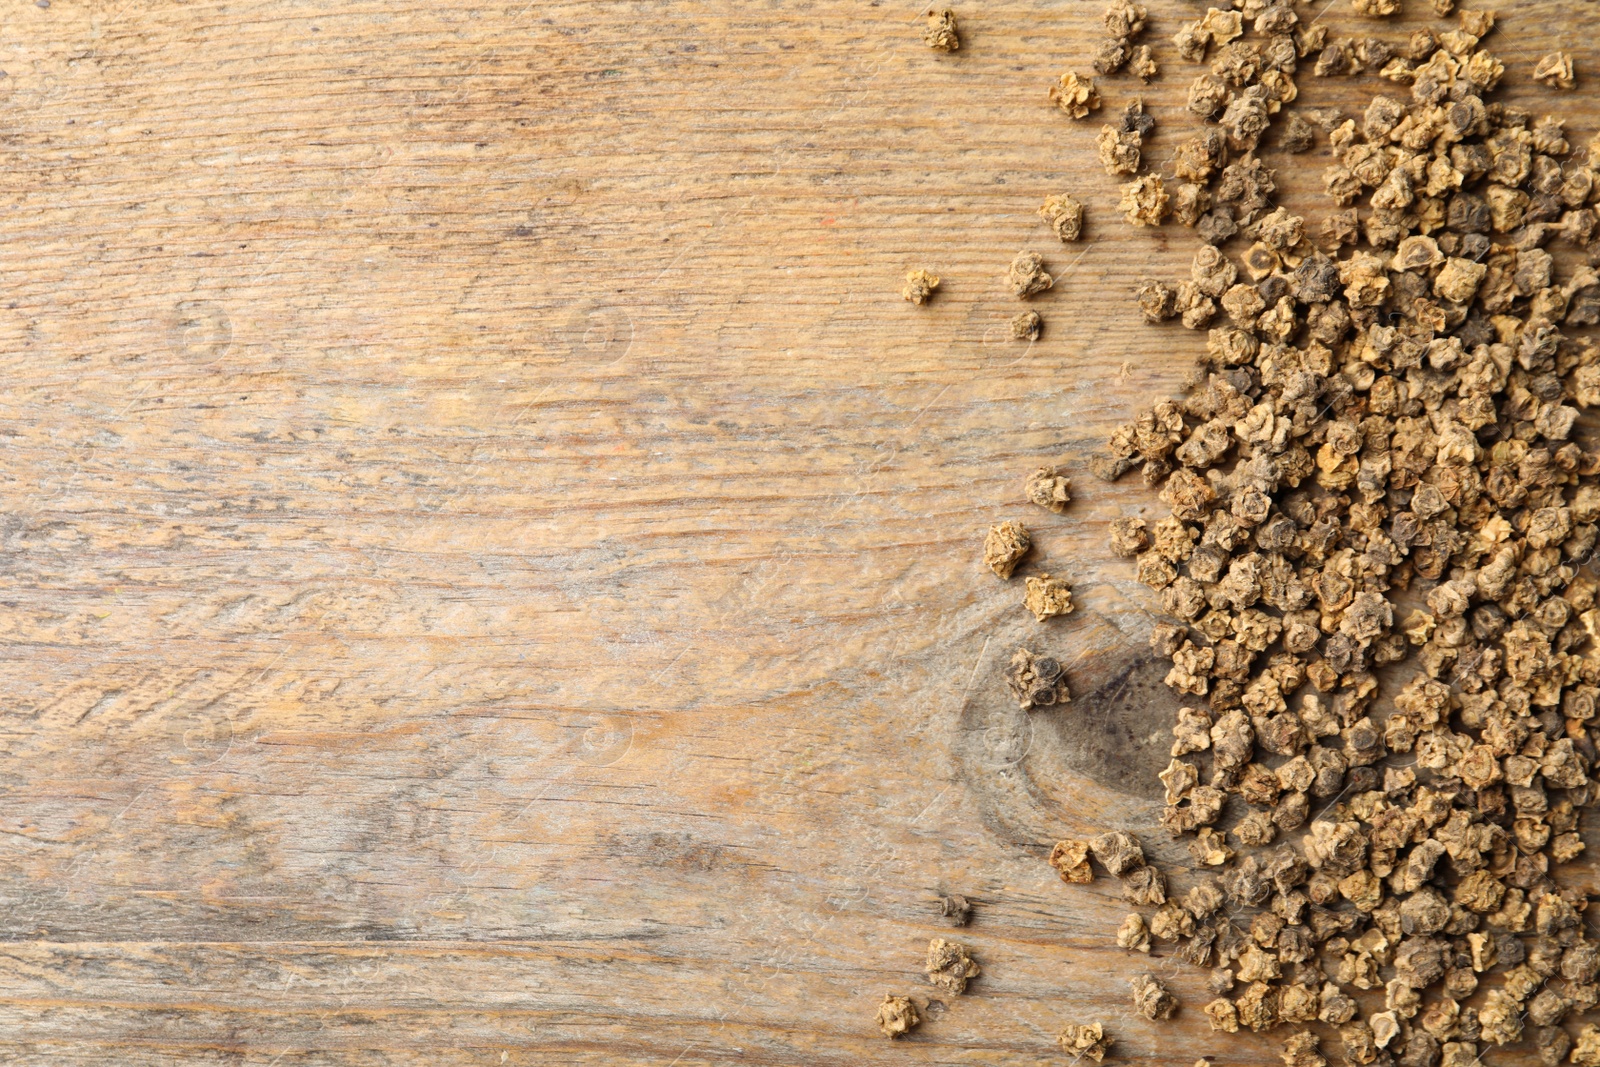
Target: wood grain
<point>489,564</point>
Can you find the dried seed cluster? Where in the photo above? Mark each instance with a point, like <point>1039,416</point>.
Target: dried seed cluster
<point>1124,22</point>
<point>949,968</point>
<point>1375,467</point>
<point>1035,680</point>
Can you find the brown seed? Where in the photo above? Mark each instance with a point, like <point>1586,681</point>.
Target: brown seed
<point>1392,413</point>
<point>1048,597</point>
<point>1075,95</point>
<point>1151,999</point>
<point>1064,214</point>
<point>1142,64</point>
<point>1133,935</point>
<point>1222,1015</point>
<point>940,34</point>
<point>1036,681</point>
<point>1222,26</point>
<point>1070,858</point>
<point>1048,488</point>
<point>1027,275</point>
<point>1118,852</point>
<point>1025,326</point>
<point>1145,201</point>
<point>956,908</point>
<point>897,1016</point>
<point>919,286</point>
<point>1085,1041</point>
<point>1145,886</point>
<point>949,966</point>
<point>1005,546</point>
<point>1119,150</point>
<point>1124,19</point>
<point>1171,922</point>
<point>1300,1050</point>
<point>1555,70</point>
<point>1111,55</point>
<point>1129,536</point>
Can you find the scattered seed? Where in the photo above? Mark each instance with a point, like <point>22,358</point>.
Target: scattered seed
<point>940,34</point>
<point>1085,1041</point>
<point>1025,326</point>
<point>1027,275</point>
<point>919,286</point>
<point>949,966</point>
<point>1048,597</point>
<point>956,908</point>
<point>897,1016</point>
<point>1005,546</point>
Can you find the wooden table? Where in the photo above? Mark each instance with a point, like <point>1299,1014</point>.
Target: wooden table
<point>490,565</point>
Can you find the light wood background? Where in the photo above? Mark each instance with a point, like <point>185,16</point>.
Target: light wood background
<point>489,566</point>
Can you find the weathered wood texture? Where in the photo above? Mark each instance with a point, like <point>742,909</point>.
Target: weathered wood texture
<point>489,563</point>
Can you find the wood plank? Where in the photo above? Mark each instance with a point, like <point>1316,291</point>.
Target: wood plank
<point>489,563</point>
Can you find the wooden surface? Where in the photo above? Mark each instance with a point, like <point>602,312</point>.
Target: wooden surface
<point>490,565</point>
